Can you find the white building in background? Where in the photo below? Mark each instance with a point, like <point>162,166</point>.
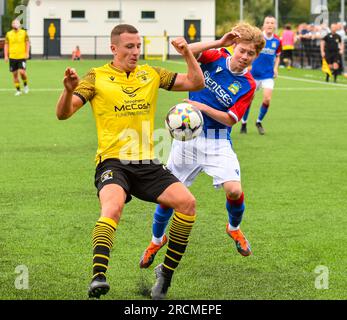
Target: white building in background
<point>57,26</point>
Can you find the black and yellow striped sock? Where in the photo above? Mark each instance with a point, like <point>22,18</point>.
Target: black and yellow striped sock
<point>25,82</point>
<point>103,235</point>
<point>180,228</point>
<point>17,85</point>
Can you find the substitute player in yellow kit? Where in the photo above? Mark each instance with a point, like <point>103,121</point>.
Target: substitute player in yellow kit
<point>123,96</point>
<point>16,51</point>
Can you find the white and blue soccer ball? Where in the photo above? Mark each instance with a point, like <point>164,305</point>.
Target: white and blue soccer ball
<point>184,122</point>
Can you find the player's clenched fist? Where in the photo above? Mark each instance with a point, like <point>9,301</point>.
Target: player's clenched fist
<point>229,39</point>
<point>180,45</point>
<point>70,79</point>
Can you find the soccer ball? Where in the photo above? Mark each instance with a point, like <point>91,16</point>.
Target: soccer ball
<point>184,122</point>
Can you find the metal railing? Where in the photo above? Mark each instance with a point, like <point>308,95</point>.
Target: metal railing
<point>306,53</point>
<point>90,46</point>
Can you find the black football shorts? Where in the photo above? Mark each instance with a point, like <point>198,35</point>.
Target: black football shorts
<point>145,180</point>
<point>332,58</point>
<point>16,64</point>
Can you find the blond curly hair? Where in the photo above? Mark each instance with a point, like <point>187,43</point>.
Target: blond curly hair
<point>250,34</point>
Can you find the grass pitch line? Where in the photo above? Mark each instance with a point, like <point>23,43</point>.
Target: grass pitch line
<point>313,81</point>
<point>34,89</point>
<point>285,77</point>
<point>309,89</point>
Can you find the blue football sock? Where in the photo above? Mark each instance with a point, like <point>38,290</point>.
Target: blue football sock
<point>235,210</point>
<point>263,110</point>
<point>161,218</point>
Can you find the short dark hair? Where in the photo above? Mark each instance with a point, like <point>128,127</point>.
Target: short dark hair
<point>122,28</point>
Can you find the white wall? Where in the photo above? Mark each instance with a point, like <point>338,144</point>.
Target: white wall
<point>170,15</point>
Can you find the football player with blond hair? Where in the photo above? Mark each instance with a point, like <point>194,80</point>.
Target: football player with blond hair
<point>229,89</point>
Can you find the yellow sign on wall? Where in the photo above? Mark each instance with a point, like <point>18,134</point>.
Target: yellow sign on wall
<point>52,31</point>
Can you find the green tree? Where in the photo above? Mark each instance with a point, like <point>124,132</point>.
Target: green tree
<point>294,11</point>
<point>334,7</point>
<point>228,12</point>
<point>256,11</point>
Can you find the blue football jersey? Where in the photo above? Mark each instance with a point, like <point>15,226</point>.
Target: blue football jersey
<point>263,66</point>
<point>224,90</point>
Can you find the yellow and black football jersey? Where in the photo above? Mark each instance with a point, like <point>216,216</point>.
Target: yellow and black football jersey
<point>124,106</point>
<point>16,41</point>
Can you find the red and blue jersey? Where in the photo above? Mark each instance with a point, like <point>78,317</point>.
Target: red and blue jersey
<point>263,66</point>
<point>224,91</point>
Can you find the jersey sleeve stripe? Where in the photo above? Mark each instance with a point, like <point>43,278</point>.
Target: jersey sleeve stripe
<point>172,82</point>
<point>233,115</point>
<point>80,96</point>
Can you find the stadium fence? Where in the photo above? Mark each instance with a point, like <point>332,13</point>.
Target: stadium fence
<point>306,53</point>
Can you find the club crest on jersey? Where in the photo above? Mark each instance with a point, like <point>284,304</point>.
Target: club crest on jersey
<point>142,76</point>
<point>112,78</point>
<point>235,87</point>
<point>107,175</point>
<point>274,44</point>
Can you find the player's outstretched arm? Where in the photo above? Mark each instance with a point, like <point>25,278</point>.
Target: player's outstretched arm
<point>227,40</point>
<point>220,116</point>
<point>67,103</point>
<point>193,80</point>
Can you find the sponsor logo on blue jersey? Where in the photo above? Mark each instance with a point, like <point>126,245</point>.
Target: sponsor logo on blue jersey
<point>269,51</point>
<point>222,96</point>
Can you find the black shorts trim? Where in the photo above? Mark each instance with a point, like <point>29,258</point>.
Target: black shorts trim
<point>146,180</point>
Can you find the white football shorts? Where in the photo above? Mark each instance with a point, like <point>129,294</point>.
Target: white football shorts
<point>265,84</point>
<point>215,157</point>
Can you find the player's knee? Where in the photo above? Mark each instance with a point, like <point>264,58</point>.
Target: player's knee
<point>267,101</point>
<point>187,205</point>
<point>112,210</point>
<point>234,192</point>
